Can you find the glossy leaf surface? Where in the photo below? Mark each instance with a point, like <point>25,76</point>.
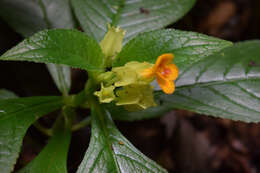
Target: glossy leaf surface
<point>110,151</point>
<point>29,16</point>
<point>188,47</point>
<point>226,84</point>
<point>53,158</point>
<point>131,15</point>
<point>62,77</point>
<point>16,115</point>
<point>59,46</point>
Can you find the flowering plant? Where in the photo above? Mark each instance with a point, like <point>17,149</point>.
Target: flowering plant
<point>131,76</point>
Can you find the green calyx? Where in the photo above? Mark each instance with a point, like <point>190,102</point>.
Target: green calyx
<point>126,86</point>
<point>136,97</point>
<point>131,73</point>
<point>106,94</point>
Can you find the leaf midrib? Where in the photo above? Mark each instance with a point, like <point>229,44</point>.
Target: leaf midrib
<point>106,135</point>
<point>14,113</point>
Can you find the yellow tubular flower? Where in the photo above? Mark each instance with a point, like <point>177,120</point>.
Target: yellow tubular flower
<point>106,94</point>
<point>165,71</point>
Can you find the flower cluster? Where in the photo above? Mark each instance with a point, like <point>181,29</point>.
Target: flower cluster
<point>127,86</point>
<point>130,85</point>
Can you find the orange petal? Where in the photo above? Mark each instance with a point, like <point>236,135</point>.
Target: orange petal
<point>174,72</point>
<point>164,59</point>
<point>167,86</point>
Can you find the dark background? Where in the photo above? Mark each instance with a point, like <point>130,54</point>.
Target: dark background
<point>180,141</point>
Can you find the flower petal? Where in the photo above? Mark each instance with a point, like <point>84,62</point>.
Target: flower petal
<point>163,60</point>
<point>166,85</point>
<point>174,72</point>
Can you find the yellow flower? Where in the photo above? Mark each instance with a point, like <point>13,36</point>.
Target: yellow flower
<point>136,96</point>
<point>106,94</point>
<point>112,43</point>
<point>165,71</point>
<point>130,73</point>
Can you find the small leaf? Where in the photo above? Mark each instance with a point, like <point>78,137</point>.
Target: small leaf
<point>224,85</point>
<point>62,77</point>
<point>5,94</point>
<point>109,151</point>
<point>187,47</point>
<point>133,16</point>
<point>53,158</point>
<point>16,115</point>
<point>59,46</point>
<point>30,16</point>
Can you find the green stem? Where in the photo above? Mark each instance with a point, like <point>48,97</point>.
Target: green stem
<point>44,130</point>
<point>90,87</point>
<point>69,115</point>
<point>81,124</point>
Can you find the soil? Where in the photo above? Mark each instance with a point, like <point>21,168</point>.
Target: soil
<point>180,141</point>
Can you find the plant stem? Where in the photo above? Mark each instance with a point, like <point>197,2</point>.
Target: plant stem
<point>44,130</point>
<point>81,124</point>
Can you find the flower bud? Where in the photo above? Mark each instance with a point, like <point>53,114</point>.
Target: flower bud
<point>112,43</point>
<point>106,94</point>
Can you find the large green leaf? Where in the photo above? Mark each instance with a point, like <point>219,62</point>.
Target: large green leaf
<point>5,94</point>
<point>53,158</point>
<point>59,46</point>
<point>109,151</point>
<point>30,16</point>
<point>16,115</point>
<point>133,16</point>
<point>226,84</point>
<point>62,77</point>
<point>188,47</point>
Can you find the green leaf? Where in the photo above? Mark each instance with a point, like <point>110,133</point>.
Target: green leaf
<point>59,46</point>
<point>226,84</point>
<point>188,47</point>
<point>30,16</point>
<point>110,151</point>
<point>5,94</point>
<point>35,16</point>
<point>53,158</point>
<point>133,16</point>
<point>61,76</point>
<point>16,115</point>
